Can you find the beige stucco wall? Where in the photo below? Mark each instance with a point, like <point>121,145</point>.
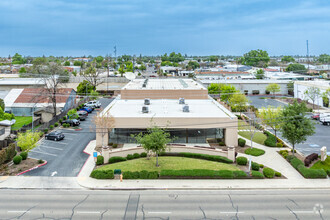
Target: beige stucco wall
<point>164,94</point>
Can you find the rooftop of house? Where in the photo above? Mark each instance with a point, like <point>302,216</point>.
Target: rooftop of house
<point>220,73</point>
<point>163,84</point>
<point>21,81</point>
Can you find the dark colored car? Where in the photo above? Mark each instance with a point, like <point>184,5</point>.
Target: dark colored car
<point>87,109</point>
<point>82,115</point>
<point>71,122</point>
<point>56,136</point>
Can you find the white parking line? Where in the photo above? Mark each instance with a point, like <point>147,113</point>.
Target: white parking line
<point>51,147</point>
<point>69,134</point>
<point>40,152</point>
<point>56,142</point>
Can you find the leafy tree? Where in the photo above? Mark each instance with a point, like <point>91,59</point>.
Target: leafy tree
<point>85,87</point>
<point>214,58</point>
<point>290,87</point>
<point>22,70</point>
<point>225,91</point>
<point>67,63</point>
<point>260,74</point>
<point>92,75</point>
<point>295,67</point>
<point>99,59</point>
<point>324,58</point>
<point>2,104</point>
<point>312,93</point>
<point>257,58</point>
<point>72,114</point>
<point>273,88</point>
<point>287,59</point>
<point>28,140</point>
<point>173,57</point>
<point>155,140</point>
<point>192,65</point>
<point>142,67</point>
<point>18,59</point>
<point>270,116</point>
<point>39,64</point>
<point>77,63</point>
<point>238,102</point>
<point>326,97</point>
<point>297,127</point>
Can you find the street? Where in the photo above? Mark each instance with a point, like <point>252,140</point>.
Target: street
<point>236,204</point>
<point>66,157</point>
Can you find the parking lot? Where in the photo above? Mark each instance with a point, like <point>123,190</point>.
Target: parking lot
<point>65,157</point>
<point>258,102</point>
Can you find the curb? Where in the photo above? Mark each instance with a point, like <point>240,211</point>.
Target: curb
<point>33,168</point>
<point>86,160</point>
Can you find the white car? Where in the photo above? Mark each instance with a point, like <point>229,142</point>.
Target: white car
<point>325,120</point>
<point>93,104</point>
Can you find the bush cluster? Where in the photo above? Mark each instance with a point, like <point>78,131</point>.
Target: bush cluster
<point>310,158</point>
<point>140,175</point>
<point>257,174</point>
<point>241,161</point>
<point>219,174</point>
<point>271,139</point>
<point>102,174</point>
<point>46,130</point>
<point>221,143</point>
<point>51,127</point>
<point>99,160</point>
<point>254,151</point>
<point>136,156</point>
<point>295,162</point>
<point>255,166</point>
<point>143,154</point>
<point>284,153</point>
<point>115,145</point>
<point>24,155</point>
<point>66,125</point>
<point>129,157</point>
<point>116,159</point>
<point>206,157</point>
<point>279,145</point>
<point>241,142</point>
<point>56,124</point>
<point>17,159</point>
<point>304,171</point>
<point>268,172</point>
<point>278,174</point>
<point>7,154</point>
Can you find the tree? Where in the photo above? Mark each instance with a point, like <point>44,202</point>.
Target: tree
<point>99,59</point>
<point>22,70</point>
<point>296,67</point>
<point>238,102</point>
<point>39,64</point>
<point>2,104</point>
<point>72,114</point>
<point>326,97</point>
<point>104,123</point>
<point>214,58</point>
<point>260,74</point>
<point>287,59</point>
<point>270,116</point>
<point>28,140</point>
<point>227,91</point>
<point>18,59</point>
<point>192,65</point>
<point>257,58</point>
<point>92,75</point>
<point>297,127</point>
<point>77,63</point>
<point>85,88</point>
<point>173,57</point>
<point>273,88</point>
<point>312,93</point>
<point>155,140</point>
<point>67,63</point>
<point>142,67</point>
<point>324,58</point>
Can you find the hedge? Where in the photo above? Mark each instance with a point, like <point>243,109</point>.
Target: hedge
<point>254,151</point>
<point>206,157</point>
<point>257,174</point>
<point>129,157</point>
<point>311,173</point>
<point>271,139</point>
<point>116,159</point>
<point>140,175</point>
<point>278,174</point>
<point>241,161</point>
<point>241,142</point>
<point>255,166</point>
<point>102,174</point>
<point>268,172</point>
<point>136,155</point>
<point>7,154</point>
<point>295,162</point>
<point>143,154</point>
<point>99,160</point>
<point>220,174</point>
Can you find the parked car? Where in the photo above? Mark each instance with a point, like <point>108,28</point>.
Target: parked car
<point>315,116</point>
<point>325,120</point>
<point>71,122</point>
<point>82,115</point>
<point>324,115</point>
<point>93,104</point>
<point>87,109</point>
<point>56,136</point>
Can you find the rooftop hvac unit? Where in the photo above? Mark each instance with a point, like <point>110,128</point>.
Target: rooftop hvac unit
<point>147,101</point>
<point>145,109</point>
<point>181,100</point>
<point>185,108</point>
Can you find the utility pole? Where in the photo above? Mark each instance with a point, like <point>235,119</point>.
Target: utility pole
<point>307,56</point>
<point>115,51</point>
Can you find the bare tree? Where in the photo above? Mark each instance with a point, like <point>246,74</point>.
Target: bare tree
<point>92,75</point>
<point>104,123</point>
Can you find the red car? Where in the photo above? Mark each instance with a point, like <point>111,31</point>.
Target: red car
<point>315,116</point>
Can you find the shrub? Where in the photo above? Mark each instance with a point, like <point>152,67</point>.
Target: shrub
<point>278,174</point>
<point>221,174</point>
<point>129,157</point>
<point>294,150</point>
<point>271,139</point>
<point>311,173</point>
<point>40,161</point>
<point>115,145</point>
<point>255,166</point>
<point>254,151</point>
<point>239,117</point>
<point>206,157</point>
<point>51,127</point>
<point>290,157</point>
<point>268,172</point>
<point>221,143</point>
<point>239,174</point>
<point>7,153</point>
<point>285,154</point>
<point>143,154</point>
<point>56,124</point>
<point>41,134</point>
<point>110,144</point>
<point>99,160</point>
<point>328,172</point>
<point>116,159</point>
<point>241,142</point>
<point>153,175</point>
<point>102,174</point>
<point>241,161</point>
<point>143,174</point>
<point>261,165</point>
<point>257,174</point>
<point>45,130</point>
<point>136,155</point>
<point>64,118</point>
<point>17,159</point>
<point>60,121</point>
<point>295,162</point>
<point>279,145</point>
<point>24,155</point>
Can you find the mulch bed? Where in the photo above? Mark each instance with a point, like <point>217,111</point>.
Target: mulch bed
<point>99,149</point>
<point>11,169</point>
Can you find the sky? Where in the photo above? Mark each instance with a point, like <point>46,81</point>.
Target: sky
<point>155,27</point>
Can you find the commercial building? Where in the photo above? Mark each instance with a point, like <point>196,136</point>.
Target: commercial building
<point>300,87</point>
<point>182,106</point>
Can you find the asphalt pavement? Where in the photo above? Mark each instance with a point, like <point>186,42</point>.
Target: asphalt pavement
<point>226,204</point>
<point>258,102</point>
<point>66,157</point>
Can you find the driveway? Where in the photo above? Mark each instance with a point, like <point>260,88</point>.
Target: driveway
<point>66,157</point>
<point>258,102</point>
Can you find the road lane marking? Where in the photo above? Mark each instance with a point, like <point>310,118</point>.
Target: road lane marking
<point>40,152</point>
<point>303,211</point>
<point>18,211</point>
<point>231,212</point>
<point>69,134</point>
<point>159,212</point>
<point>53,173</point>
<point>87,212</point>
<point>52,147</point>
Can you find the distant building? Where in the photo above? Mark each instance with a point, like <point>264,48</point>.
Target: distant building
<point>222,75</point>
<point>300,88</point>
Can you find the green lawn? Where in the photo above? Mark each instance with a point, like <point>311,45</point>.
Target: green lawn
<point>322,165</point>
<point>258,137</point>
<point>254,151</point>
<point>21,121</point>
<point>243,125</point>
<point>168,163</point>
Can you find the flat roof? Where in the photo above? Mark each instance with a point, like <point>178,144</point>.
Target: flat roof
<point>21,81</point>
<point>168,108</point>
<point>165,84</point>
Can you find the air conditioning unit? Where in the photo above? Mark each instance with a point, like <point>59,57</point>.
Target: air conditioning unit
<point>185,108</point>
<point>145,109</point>
<point>147,101</point>
<point>181,101</point>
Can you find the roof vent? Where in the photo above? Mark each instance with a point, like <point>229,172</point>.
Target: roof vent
<point>145,109</point>
<point>147,101</point>
<point>181,101</point>
<point>185,108</point>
